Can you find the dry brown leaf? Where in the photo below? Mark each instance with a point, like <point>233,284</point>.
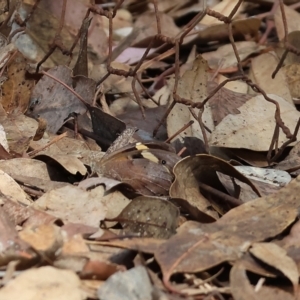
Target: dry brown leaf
<point>19,131</point>
<point>149,216</point>
<point>25,215</point>
<point>16,89</point>
<point>75,12</point>
<point>224,102</point>
<point>208,245</point>
<point>46,239</point>
<point>34,43</point>
<point>68,146</point>
<point>148,28</point>
<point>219,32</point>
<point>51,101</point>
<point>147,245</point>
<point>132,118</point>
<point>12,247</point>
<point>292,73</point>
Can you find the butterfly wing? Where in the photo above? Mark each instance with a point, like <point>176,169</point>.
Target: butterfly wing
<point>147,169</point>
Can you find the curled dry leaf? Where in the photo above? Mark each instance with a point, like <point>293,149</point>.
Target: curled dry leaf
<point>191,171</point>
<point>268,181</point>
<point>69,162</point>
<point>42,126</point>
<point>241,287</point>
<point>292,162</point>
<point>104,125</point>
<point>276,257</point>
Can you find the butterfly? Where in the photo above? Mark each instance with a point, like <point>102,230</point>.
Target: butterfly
<point>147,167</point>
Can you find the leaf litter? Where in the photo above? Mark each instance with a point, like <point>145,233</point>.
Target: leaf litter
<point>159,163</point>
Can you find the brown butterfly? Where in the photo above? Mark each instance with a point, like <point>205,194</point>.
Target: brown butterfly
<point>146,167</point>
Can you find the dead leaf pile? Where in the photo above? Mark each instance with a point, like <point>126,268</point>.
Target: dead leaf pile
<point>149,149</point>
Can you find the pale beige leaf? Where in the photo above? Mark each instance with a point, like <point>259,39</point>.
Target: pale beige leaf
<point>292,18</point>
<point>262,67</point>
<point>30,167</point>
<point>11,189</point>
<point>192,86</point>
<point>3,140</point>
<point>70,162</point>
<point>235,86</point>
<point>46,238</point>
<point>224,7</point>
<point>224,57</point>
<point>254,127</point>
<point>45,283</point>
<point>72,204</point>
